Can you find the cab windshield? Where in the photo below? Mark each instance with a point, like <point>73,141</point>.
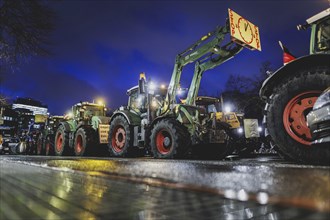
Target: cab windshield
<point>94,111</point>
<point>136,101</point>
<point>323,36</point>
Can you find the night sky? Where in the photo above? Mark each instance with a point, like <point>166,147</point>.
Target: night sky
<point>100,47</point>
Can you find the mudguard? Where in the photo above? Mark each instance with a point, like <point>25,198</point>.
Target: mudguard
<point>67,125</point>
<point>132,118</point>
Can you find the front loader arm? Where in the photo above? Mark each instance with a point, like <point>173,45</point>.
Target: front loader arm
<point>204,50</point>
<point>206,46</point>
<point>223,54</point>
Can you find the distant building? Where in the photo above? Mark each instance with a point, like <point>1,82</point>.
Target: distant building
<point>36,107</point>
<point>8,119</point>
<point>25,118</point>
<point>27,109</point>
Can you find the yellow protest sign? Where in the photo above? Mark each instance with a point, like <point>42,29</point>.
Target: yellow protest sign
<point>244,32</point>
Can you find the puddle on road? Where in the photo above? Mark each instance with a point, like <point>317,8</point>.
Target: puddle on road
<point>112,169</point>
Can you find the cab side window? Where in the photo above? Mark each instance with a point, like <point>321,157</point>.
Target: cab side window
<point>323,36</point>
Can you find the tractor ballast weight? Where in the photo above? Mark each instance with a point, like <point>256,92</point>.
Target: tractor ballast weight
<point>85,130</point>
<point>154,120</point>
<point>291,91</point>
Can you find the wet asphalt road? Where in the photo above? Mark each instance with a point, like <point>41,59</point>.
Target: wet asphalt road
<point>264,187</point>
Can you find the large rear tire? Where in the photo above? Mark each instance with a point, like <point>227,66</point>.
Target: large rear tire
<point>82,141</point>
<point>169,139</point>
<point>291,101</point>
<point>119,137</point>
<point>61,141</point>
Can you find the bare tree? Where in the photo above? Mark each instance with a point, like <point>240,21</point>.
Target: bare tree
<point>243,91</point>
<point>260,77</point>
<point>25,26</point>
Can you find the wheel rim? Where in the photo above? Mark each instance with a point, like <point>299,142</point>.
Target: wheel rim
<point>294,116</point>
<point>118,139</point>
<point>163,141</point>
<point>79,144</point>
<point>59,142</point>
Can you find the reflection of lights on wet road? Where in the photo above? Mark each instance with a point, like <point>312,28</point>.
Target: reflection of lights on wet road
<point>242,195</point>
<point>230,194</point>
<point>262,198</point>
<point>67,183</point>
<point>89,188</point>
<point>248,213</point>
<point>96,166</point>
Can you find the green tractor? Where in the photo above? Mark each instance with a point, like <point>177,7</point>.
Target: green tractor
<point>86,130</point>
<point>45,142</point>
<point>155,120</point>
<point>291,92</point>
<point>244,132</point>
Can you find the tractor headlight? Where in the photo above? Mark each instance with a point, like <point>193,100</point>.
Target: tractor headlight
<point>227,108</point>
<point>240,130</point>
<point>260,129</point>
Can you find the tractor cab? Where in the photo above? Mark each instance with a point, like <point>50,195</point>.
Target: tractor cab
<point>86,110</point>
<point>320,32</point>
<point>147,96</point>
<point>322,36</point>
<point>53,121</point>
<point>136,101</point>
<point>213,106</point>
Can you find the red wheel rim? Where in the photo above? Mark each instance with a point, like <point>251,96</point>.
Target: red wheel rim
<point>118,139</point>
<point>163,142</point>
<point>59,142</point>
<point>294,116</point>
<point>79,144</point>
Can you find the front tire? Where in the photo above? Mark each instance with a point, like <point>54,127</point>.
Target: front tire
<point>291,101</point>
<point>82,141</point>
<point>119,137</point>
<point>61,141</point>
<point>169,139</point>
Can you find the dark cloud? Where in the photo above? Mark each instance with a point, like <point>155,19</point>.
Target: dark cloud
<point>59,90</point>
<point>100,47</point>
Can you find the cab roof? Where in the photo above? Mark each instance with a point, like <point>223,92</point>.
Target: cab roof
<point>206,100</point>
<point>318,16</point>
<point>88,104</point>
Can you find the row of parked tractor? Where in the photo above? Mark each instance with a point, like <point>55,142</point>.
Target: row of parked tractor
<point>86,131</point>
<point>296,116</point>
